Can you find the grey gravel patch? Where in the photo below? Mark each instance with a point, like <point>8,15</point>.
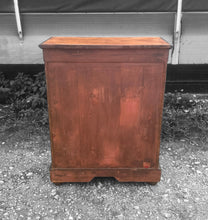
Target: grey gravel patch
<point>27,193</point>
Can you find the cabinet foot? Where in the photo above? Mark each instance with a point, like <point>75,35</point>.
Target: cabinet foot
<point>57,183</point>
<point>152,183</point>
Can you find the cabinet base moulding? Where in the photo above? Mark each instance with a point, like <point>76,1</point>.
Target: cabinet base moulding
<point>61,175</point>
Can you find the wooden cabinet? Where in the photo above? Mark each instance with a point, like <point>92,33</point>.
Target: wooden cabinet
<point>105,99</point>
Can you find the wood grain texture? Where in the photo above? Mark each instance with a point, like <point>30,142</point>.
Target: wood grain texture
<point>105,42</point>
<point>105,113</point>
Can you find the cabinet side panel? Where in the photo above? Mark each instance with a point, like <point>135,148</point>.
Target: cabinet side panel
<point>163,73</point>
<point>48,81</point>
<point>152,112</point>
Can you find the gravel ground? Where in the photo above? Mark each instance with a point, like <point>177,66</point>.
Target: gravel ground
<point>27,193</point>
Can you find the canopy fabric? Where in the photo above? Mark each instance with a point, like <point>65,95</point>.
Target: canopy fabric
<point>60,6</point>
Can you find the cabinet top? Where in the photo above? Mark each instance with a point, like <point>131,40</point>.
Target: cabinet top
<point>104,42</point>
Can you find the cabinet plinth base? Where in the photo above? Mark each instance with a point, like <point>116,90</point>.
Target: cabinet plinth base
<point>61,175</point>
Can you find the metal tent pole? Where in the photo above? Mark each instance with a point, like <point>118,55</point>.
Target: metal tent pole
<point>177,34</point>
<point>18,21</point>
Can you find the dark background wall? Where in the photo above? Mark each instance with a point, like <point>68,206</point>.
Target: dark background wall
<point>190,78</point>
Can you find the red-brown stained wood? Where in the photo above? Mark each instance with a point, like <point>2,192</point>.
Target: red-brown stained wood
<point>104,42</point>
<point>151,175</point>
<point>105,107</point>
